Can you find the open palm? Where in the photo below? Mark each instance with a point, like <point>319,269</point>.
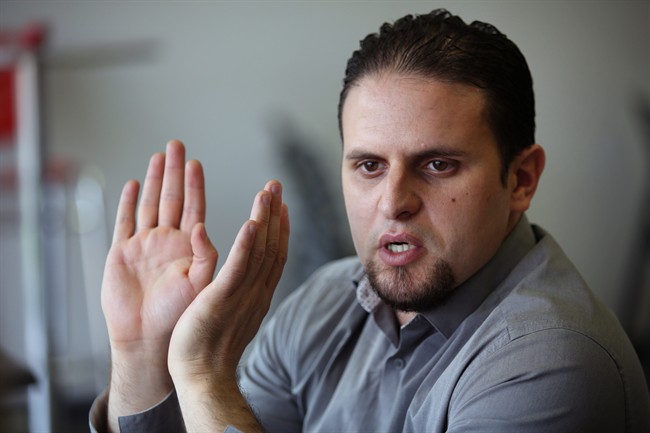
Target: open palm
<point>147,285</point>
<point>155,270</point>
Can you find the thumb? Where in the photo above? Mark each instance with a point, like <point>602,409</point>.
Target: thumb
<point>204,260</point>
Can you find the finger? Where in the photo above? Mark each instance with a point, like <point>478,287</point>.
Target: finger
<point>283,252</point>
<point>204,260</point>
<point>125,219</point>
<point>261,215</point>
<point>273,231</point>
<point>148,209</point>
<point>171,196</point>
<point>194,204</point>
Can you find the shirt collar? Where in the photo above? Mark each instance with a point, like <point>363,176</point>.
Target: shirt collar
<point>366,297</point>
<point>465,298</point>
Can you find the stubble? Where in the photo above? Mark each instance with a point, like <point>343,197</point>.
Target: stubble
<point>410,290</point>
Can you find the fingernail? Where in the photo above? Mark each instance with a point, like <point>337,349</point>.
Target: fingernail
<point>276,189</point>
<point>266,199</point>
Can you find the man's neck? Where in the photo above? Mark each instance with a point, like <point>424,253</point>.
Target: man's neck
<point>404,317</point>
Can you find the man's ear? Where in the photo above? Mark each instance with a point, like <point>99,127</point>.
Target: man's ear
<point>523,176</point>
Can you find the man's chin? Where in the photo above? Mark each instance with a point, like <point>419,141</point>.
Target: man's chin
<point>409,289</point>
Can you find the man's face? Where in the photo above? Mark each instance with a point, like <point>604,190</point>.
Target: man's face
<point>422,187</point>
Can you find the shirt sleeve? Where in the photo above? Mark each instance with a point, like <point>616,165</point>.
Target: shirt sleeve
<point>552,380</point>
<point>98,413</point>
<point>164,417</point>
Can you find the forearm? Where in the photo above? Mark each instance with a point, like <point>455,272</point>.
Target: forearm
<point>213,405</point>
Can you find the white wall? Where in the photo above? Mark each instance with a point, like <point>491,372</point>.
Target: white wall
<point>218,72</point>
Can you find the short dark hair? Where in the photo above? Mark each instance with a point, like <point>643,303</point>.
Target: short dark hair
<point>442,46</point>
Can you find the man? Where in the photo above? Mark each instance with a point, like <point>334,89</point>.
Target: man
<point>457,314</point>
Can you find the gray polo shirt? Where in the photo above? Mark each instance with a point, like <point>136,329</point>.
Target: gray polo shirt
<point>522,346</point>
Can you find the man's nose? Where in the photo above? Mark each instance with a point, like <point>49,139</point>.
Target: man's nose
<point>400,198</point>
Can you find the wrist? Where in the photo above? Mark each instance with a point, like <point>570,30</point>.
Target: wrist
<point>138,381</point>
<point>203,371</point>
<point>194,381</point>
<point>191,360</point>
<point>212,403</point>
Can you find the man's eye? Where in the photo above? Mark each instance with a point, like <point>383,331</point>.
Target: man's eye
<point>440,165</point>
<point>370,166</point>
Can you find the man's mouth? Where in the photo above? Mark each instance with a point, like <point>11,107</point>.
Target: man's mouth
<point>399,247</point>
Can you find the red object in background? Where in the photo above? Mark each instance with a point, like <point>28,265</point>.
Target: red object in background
<point>30,38</point>
<point>7,106</point>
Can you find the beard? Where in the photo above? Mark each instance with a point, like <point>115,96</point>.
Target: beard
<point>409,290</point>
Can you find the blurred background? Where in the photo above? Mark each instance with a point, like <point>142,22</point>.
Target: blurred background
<point>252,89</point>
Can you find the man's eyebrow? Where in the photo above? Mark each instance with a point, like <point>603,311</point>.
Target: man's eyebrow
<point>440,151</point>
<point>432,152</point>
<point>360,154</point>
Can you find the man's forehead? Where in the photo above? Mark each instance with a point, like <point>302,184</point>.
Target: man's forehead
<point>423,111</point>
<point>389,88</point>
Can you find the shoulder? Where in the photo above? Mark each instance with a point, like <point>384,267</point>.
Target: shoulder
<point>549,380</point>
<point>548,293</point>
<point>547,337</point>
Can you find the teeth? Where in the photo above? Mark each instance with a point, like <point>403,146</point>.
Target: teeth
<point>399,247</point>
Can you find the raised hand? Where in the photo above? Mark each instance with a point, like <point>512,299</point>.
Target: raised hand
<point>212,333</point>
<point>155,268</point>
